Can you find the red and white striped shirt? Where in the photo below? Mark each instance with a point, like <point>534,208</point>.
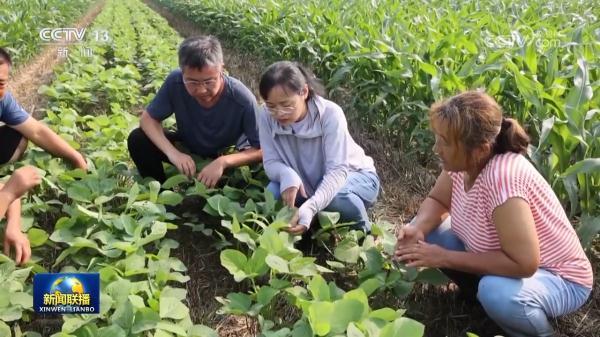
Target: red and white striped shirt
<point>508,176</point>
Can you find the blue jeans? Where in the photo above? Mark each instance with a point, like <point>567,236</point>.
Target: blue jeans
<point>352,201</point>
<point>521,307</point>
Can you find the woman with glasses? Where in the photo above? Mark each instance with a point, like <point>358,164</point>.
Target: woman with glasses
<point>308,154</point>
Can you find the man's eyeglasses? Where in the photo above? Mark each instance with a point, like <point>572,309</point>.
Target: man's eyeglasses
<point>207,84</point>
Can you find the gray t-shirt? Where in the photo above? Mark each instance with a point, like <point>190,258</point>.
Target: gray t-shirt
<point>316,152</point>
<point>208,131</point>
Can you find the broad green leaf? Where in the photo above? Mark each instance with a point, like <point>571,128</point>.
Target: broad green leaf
<point>137,301</point>
<point>432,276</point>
<point>103,199</point>
<point>169,198</point>
<point>171,307</point>
<point>277,263</point>
<point>371,285</point>
<point>373,260</point>
<point>385,314</point>
<point>37,237</point>
<point>320,316</point>
<point>154,187</point>
<point>304,266</point>
<point>158,231</point>
<point>124,315</point>
<point>134,191</point>
<point>239,303</point>
<point>266,294</point>
<point>279,284</point>
<point>175,180</point>
<point>346,311</point>
<point>235,262</point>
<point>145,319</point>
<point>119,290</point>
<point>79,192</point>
<point>302,329</point>
<point>328,219</point>
<point>201,331</point>
<point>360,296</point>
<point>257,264</point>
<point>12,313</point>
<point>162,333</point>
<point>178,293</point>
<point>347,251</point>
<point>24,300</point>
<point>174,328</point>
<point>335,264</point>
<point>319,289</point>
<point>111,331</point>
<point>404,327</point>
<point>354,331</point>
<point>5,329</point>
<point>220,204</point>
<point>402,288</point>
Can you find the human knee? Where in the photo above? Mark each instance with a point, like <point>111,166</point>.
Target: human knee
<point>136,136</point>
<point>273,187</point>
<point>497,291</point>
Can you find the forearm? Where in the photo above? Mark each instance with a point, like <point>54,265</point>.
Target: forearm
<point>249,156</point>
<point>13,215</point>
<point>7,199</point>
<point>154,130</point>
<point>430,215</point>
<point>53,143</point>
<point>283,174</point>
<point>330,185</point>
<point>488,263</point>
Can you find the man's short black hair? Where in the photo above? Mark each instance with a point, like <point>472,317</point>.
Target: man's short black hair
<point>199,51</point>
<point>5,57</point>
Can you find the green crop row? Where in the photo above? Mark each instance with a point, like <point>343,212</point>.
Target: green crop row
<point>387,61</point>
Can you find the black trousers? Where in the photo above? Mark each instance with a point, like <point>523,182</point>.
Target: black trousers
<point>9,142</point>
<point>148,158</point>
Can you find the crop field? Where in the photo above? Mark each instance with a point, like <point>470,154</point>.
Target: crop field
<point>182,259</point>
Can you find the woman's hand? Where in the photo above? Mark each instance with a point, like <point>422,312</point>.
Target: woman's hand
<point>289,195</point>
<point>422,254</point>
<point>295,228</point>
<point>14,238</point>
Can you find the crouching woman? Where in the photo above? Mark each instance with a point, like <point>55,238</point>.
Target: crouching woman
<point>493,224</point>
<point>308,154</point>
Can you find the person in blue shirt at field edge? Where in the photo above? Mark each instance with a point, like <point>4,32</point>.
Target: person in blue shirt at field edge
<point>308,153</point>
<point>213,112</point>
<point>18,128</point>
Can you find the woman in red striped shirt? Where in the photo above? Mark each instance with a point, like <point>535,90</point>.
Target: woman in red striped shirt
<point>493,224</point>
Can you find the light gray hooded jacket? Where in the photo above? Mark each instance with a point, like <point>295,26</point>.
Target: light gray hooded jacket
<point>316,152</point>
